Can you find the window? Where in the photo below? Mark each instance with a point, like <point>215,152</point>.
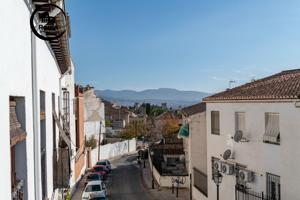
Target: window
<point>240,122</point>
<point>93,188</point>
<point>272,131</point>
<point>66,110</point>
<point>273,186</point>
<point>200,181</point>
<point>215,122</point>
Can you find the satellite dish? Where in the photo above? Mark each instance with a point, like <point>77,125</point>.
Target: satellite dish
<point>227,154</point>
<point>238,136</point>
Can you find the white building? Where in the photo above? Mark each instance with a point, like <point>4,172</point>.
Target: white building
<point>31,89</point>
<point>94,114</point>
<point>196,149</point>
<point>68,111</point>
<point>259,123</point>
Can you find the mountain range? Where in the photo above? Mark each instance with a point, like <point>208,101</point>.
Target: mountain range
<point>174,98</point>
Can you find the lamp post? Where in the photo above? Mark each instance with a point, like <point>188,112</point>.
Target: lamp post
<point>218,180</point>
<point>144,152</point>
<point>152,154</point>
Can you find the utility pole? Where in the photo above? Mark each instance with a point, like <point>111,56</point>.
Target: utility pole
<point>99,141</point>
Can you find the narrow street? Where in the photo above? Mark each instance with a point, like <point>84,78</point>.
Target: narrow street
<point>124,183</point>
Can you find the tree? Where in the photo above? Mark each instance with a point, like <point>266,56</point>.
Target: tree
<point>170,126</point>
<point>148,108</point>
<point>91,142</point>
<point>156,111</point>
<point>134,129</point>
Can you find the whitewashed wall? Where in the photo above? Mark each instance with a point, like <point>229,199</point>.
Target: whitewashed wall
<point>198,148</point>
<point>282,160</point>
<point>68,82</point>
<point>16,80</point>
<point>48,80</point>
<point>109,151</point>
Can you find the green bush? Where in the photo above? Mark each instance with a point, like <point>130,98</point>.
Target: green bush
<point>91,142</point>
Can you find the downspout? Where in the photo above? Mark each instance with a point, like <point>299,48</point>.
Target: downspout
<point>35,111</point>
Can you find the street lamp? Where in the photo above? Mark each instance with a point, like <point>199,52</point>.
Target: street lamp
<point>152,154</point>
<point>218,180</point>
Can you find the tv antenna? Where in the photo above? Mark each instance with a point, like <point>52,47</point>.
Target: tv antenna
<point>230,83</point>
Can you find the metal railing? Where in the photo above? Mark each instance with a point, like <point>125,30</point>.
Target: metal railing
<point>242,193</point>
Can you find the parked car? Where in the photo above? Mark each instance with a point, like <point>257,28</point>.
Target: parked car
<point>105,168</point>
<point>99,169</point>
<point>105,163</point>
<point>93,177</point>
<point>94,188</point>
<point>97,196</point>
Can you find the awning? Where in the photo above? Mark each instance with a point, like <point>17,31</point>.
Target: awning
<point>184,131</point>
<point>17,134</point>
<point>272,133</point>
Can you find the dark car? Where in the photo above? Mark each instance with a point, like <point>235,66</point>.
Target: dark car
<point>93,177</point>
<point>99,169</point>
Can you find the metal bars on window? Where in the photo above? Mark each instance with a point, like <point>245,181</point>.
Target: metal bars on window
<point>273,186</point>
<point>66,110</point>
<point>200,181</point>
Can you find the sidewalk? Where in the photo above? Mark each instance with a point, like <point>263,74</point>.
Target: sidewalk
<point>160,193</point>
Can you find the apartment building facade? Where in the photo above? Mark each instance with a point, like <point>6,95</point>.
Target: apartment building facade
<point>32,81</point>
<point>253,141</point>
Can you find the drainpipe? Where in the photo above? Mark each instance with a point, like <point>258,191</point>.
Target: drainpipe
<point>35,112</point>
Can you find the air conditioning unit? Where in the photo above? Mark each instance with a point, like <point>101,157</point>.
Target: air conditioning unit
<point>217,165</point>
<point>227,168</point>
<point>246,176</point>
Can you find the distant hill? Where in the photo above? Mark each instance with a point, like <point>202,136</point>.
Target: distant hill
<point>172,97</point>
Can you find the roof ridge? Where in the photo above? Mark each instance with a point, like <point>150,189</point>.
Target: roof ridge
<point>282,85</point>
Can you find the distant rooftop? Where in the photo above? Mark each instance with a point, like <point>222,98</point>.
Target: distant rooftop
<point>283,85</point>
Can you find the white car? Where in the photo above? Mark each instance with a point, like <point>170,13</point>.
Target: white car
<point>94,187</point>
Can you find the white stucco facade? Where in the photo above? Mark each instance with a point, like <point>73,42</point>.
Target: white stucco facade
<point>282,160</point>
<point>68,82</point>
<point>197,150</point>
<point>16,80</point>
<point>94,115</point>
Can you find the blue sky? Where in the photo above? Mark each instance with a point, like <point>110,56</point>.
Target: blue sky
<point>184,44</point>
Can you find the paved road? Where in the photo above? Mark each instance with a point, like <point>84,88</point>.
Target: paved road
<point>126,182</point>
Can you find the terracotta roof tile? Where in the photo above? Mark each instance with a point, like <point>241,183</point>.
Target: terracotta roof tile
<point>284,85</point>
<point>193,109</point>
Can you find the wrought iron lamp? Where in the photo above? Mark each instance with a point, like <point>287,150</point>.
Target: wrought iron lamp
<point>217,177</point>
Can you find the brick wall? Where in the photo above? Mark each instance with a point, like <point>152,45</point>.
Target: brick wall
<point>80,156</point>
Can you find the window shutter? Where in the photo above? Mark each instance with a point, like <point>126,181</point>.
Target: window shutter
<point>272,131</point>
<point>240,121</point>
<point>215,122</point>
